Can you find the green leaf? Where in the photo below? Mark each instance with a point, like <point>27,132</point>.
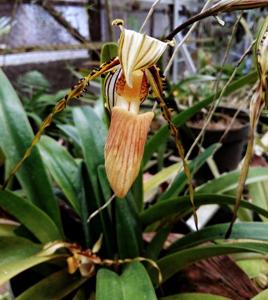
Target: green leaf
<point>161,136</point>
<point>63,168</point>
<point>55,286</point>
<point>194,296</point>
<point>245,230</point>
<point>108,52</point>
<point>107,194</point>
<point>261,296</point>
<point>133,284</point>
<point>181,180</point>
<point>259,194</point>
<point>105,186</point>
<point>18,254</point>
<point>80,295</point>
<point>157,179</point>
<point>136,282</point>
<point>108,286</point>
<point>253,267</point>
<point>7,227</point>
<point>84,205</point>
<point>156,245</point>
<point>71,132</point>
<point>128,228</point>
<point>15,137</point>
<point>33,81</point>
<point>229,182</point>
<point>92,133</point>
<point>171,264</point>
<point>137,191</point>
<point>182,204</point>
<point>16,248</point>
<point>32,217</point>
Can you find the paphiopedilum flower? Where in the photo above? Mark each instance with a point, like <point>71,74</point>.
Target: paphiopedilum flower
<point>126,88</point>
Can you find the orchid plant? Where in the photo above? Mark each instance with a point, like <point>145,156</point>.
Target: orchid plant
<point>128,79</point>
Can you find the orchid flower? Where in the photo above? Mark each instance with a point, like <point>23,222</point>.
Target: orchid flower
<point>126,88</point>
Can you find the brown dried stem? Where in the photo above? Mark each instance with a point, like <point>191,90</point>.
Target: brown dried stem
<point>256,106</point>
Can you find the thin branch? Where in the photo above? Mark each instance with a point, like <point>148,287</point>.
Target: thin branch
<point>149,14</point>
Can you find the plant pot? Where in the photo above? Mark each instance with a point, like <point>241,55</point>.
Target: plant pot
<point>233,141</point>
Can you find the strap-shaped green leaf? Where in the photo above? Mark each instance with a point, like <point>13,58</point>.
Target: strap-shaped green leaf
<point>55,286</point>
<point>229,181</point>
<point>180,205</point>
<point>181,180</point>
<point>261,296</point>
<point>244,230</point>
<point>15,137</point>
<point>92,134</point>
<point>128,227</point>
<point>171,264</point>
<point>17,255</point>
<point>32,217</point>
<point>63,168</point>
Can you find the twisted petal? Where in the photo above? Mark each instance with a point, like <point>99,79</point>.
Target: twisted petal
<point>124,148</point>
<point>137,52</point>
